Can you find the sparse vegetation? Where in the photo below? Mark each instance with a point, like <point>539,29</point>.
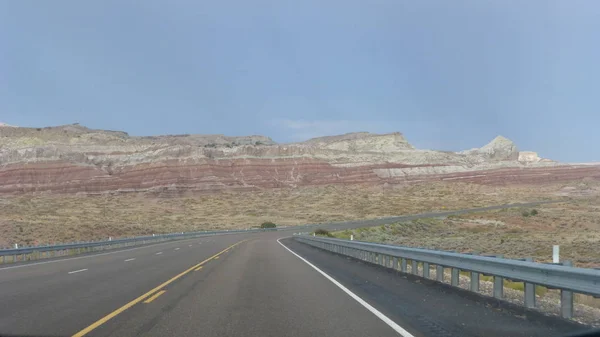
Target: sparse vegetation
<point>268,224</point>
<point>323,232</point>
<point>66,218</point>
<point>572,225</point>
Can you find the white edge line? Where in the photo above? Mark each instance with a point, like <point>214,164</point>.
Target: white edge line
<point>400,330</point>
<point>77,271</point>
<point>177,248</point>
<point>130,259</point>
<point>158,253</point>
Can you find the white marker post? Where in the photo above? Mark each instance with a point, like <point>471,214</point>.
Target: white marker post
<point>555,254</point>
<point>351,237</point>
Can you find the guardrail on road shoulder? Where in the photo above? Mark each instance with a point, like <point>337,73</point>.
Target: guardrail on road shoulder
<point>564,277</point>
<point>40,252</point>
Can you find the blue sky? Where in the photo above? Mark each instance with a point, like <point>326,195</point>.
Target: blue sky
<point>450,75</point>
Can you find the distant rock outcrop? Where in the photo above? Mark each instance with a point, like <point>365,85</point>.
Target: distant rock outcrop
<point>500,148</point>
<point>529,157</point>
<point>75,159</point>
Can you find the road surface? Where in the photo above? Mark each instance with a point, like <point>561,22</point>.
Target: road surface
<point>242,285</point>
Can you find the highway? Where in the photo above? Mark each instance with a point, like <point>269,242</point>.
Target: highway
<point>244,285</point>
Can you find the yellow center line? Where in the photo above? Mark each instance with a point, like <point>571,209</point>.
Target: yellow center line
<point>153,297</point>
<point>216,257</point>
<point>197,269</point>
<point>144,296</point>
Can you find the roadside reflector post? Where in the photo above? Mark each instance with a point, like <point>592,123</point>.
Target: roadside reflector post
<point>529,290</point>
<point>555,254</point>
<point>566,297</point>
<point>351,237</point>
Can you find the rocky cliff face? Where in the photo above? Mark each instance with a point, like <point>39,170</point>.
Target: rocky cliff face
<point>75,159</point>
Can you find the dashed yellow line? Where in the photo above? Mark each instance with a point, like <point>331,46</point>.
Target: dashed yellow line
<point>153,297</point>
<point>146,295</point>
<point>198,269</point>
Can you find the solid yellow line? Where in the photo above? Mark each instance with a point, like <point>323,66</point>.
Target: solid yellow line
<point>144,296</point>
<point>155,296</point>
<point>216,257</point>
<point>197,269</point>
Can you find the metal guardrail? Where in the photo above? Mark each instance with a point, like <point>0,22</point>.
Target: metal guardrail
<point>41,252</point>
<point>554,276</point>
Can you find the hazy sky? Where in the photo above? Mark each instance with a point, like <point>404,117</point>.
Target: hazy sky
<point>450,75</point>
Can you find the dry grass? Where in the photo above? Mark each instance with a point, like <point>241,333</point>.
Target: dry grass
<point>50,219</point>
<point>505,232</point>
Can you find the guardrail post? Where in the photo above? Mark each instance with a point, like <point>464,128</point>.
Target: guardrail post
<point>426,269</point>
<point>499,283</point>
<point>529,291</point>
<point>415,267</point>
<point>14,258</point>
<point>474,281</point>
<point>454,277</point>
<point>403,265</point>
<point>395,263</point>
<point>566,298</point>
<point>439,273</point>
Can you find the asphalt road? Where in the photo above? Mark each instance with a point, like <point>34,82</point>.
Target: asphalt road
<point>242,285</point>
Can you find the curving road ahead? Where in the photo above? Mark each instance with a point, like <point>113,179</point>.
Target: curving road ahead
<point>243,285</point>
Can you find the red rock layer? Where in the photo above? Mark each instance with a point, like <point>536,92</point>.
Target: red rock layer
<point>243,174</point>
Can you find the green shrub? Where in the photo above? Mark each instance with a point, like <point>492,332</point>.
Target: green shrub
<point>525,214</point>
<point>323,232</point>
<point>534,212</point>
<point>268,224</point>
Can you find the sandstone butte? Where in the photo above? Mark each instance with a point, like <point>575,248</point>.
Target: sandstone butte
<point>75,159</point>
